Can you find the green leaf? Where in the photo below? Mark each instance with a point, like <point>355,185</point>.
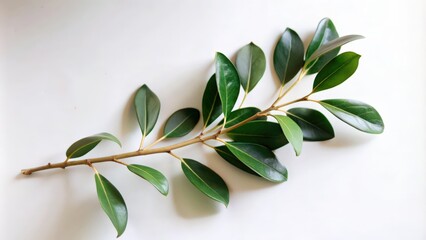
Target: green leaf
<point>288,56</point>
<point>326,31</point>
<point>228,156</point>
<point>228,83</point>
<point>212,107</point>
<point>147,107</point>
<point>336,71</point>
<point>268,134</point>
<point>181,122</point>
<point>260,159</point>
<point>315,126</point>
<point>156,178</point>
<point>251,65</point>
<point>85,145</point>
<point>355,113</point>
<point>240,115</point>
<point>112,203</point>
<point>292,132</point>
<point>206,180</point>
<point>330,46</point>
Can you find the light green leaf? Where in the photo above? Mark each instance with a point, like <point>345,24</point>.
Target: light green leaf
<point>206,180</point>
<point>147,107</point>
<point>259,159</point>
<point>181,122</point>
<point>288,56</point>
<point>314,124</point>
<point>85,145</point>
<point>326,31</point>
<point>112,203</point>
<point>355,113</point>
<point>156,178</point>
<point>228,83</point>
<point>292,132</point>
<point>211,105</point>
<point>251,65</point>
<point>330,46</point>
<point>336,71</point>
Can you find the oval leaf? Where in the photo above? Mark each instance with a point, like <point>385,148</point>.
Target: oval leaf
<point>212,107</point>
<point>288,56</point>
<point>224,152</point>
<point>251,65</point>
<point>336,71</point>
<point>206,180</point>
<point>292,132</point>
<point>181,122</point>
<point>156,178</point>
<point>268,134</point>
<point>326,31</point>
<point>85,145</point>
<point>112,203</point>
<point>315,126</point>
<point>228,83</point>
<point>240,115</point>
<point>147,107</point>
<point>260,159</point>
<point>355,113</point>
<point>330,46</point>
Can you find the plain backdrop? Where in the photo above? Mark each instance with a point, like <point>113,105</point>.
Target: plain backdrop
<point>68,69</point>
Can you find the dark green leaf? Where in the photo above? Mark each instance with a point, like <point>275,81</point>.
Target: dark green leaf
<point>251,64</point>
<point>314,124</point>
<point>147,107</point>
<point>112,203</point>
<point>260,159</point>
<point>85,145</point>
<point>240,115</point>
<point>212,107</point>
<point>330,46</point>
<point>336,71</point>
<point>355,113</point>
<point>268,134</point>
<point>228,83</point>
<point>181,122</point>
<point>325,32</point>
<point>292,132</point>
<point>288,56</point>
<point>156,178</point>
<point>206,180</point>
<point>224,152</point>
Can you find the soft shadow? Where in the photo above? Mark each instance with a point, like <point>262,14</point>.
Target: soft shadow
<point>129,121</point>
<point>190,202</point>
<point>347,141</point>
<point>308,39</point>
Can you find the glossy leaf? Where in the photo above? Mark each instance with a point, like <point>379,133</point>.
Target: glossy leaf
<point>228,83</point>
<point>315,126</point>
<point>260,159</point>
<point>292,132</point>
<point>240,115</point>
<point>336,71</point>
<point>228,156</point>
<point>147,107</point>
<point>330,46</point>
<point>355,113</point>
<point>112,203</point>
<point>268,134</point>
<point>326,31</point>
<point>288,56</point>
<point>251,65</point>
<point>181,122</point>
<point>156,178</point>
<point>206,180</point>
<point>212,107</point>
<point>85,145</point>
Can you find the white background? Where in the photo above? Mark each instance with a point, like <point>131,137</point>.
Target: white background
<point>68,69</point>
